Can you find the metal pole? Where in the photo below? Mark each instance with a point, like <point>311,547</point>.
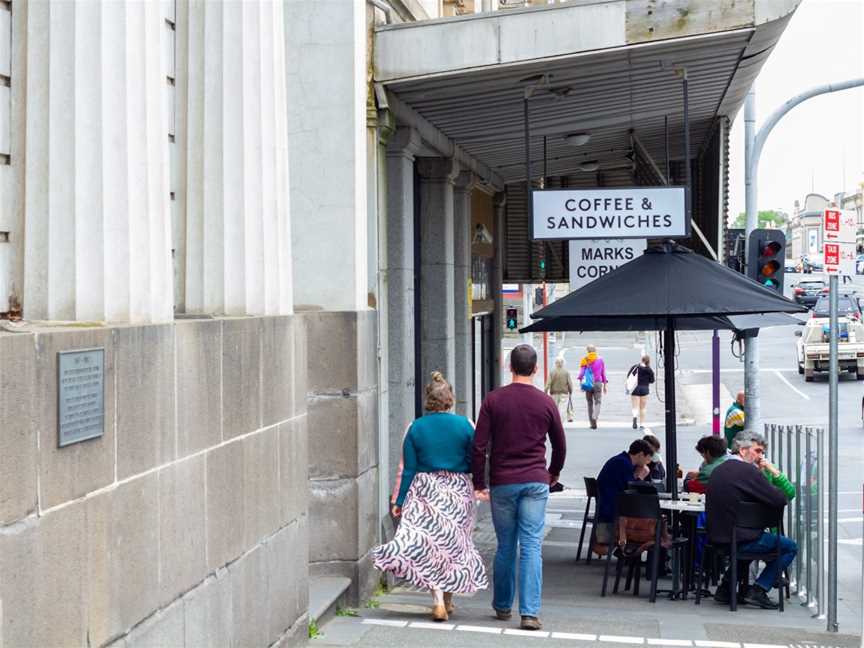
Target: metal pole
<point>715,384</point>
<point>753,144</point>
<point>780,430</point>
<point>808,517</point>
<point>669,402</point>
<point>751,344</point>
<point>687,179</point>
<point>834,375</point>
<point>666,140</point>
<point>790,467</point>
<point>821,593</point>
<point>798,504</point>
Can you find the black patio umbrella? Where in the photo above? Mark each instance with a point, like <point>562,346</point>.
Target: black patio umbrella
<point>669,289</point>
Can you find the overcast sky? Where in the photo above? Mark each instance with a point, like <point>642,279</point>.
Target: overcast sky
<point>820,143</point>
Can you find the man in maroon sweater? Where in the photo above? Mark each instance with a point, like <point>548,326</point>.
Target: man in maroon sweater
<point>515,421</point>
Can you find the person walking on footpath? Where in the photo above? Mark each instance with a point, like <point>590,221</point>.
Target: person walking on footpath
<point>735,419</point>
<point>592,381</point>
<point>640,376</point>
<point>560,388</point>
<point>433,547</point>
<point>514,422</point>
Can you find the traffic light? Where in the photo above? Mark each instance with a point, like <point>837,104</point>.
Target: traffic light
<point>512,320</point>
<point>766,254</point>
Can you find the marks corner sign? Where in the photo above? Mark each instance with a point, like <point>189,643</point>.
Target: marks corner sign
<point>610,213</point>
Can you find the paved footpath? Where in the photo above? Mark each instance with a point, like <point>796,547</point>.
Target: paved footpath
<point>573,612</point>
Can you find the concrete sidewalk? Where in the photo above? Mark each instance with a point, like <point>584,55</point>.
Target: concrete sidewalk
<point>573,612</point>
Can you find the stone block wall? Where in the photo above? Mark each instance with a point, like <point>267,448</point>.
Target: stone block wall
<point>186,523</point>
<point>343,446</point>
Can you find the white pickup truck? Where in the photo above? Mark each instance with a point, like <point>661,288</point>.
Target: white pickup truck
<point>812,347</point>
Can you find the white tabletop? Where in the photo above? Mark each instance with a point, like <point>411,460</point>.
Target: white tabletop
<point>683,505</point>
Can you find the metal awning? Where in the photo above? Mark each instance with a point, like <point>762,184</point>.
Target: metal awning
<point>609,68</point>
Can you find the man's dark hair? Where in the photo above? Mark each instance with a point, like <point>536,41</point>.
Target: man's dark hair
<point>653,441</point>
<point>713,446</point>
<point>523,360</point>
<point>640,446</point>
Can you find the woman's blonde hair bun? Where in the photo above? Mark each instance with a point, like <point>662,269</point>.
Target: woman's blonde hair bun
<point>439,394</point>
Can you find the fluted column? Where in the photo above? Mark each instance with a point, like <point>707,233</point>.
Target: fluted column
<point>97,231</point>
<point>401,338</point>
<point>499,201</point>
<point>463,382</point>
<point>238,256</point>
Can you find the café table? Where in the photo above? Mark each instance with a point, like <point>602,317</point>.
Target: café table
<point>691,510</point>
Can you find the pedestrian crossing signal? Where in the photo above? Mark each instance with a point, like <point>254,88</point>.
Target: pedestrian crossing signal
<point>512,321</point>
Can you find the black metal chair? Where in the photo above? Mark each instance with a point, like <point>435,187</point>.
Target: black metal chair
<point>646,507</point>
<point>591,492</point>
<point>749,515</point>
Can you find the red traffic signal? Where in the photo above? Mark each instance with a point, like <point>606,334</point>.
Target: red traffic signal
<point>771,248</point>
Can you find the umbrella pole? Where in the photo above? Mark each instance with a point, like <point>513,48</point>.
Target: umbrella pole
<point>669,402</point>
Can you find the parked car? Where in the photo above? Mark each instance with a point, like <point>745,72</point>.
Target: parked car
<point>790,265</point>
<point>816,262</point>
<point>807,292</point>
<point>847,306</point>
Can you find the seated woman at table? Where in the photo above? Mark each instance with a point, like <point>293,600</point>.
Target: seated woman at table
<point>657,472</point>
<point>713,451</point>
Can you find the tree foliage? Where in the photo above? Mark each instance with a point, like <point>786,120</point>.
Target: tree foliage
<point>765,218</point>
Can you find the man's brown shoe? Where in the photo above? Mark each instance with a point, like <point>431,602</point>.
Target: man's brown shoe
<point>530,623</point>
<point>439,613</point>
<point>448,602</point>
<point>503,615</point>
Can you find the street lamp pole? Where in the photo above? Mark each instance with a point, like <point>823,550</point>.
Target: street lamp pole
<point>753,151</point>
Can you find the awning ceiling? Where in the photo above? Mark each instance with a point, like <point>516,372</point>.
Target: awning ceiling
<point>604,92</point>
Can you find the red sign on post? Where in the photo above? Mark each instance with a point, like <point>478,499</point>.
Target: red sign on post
<point>832,254</point>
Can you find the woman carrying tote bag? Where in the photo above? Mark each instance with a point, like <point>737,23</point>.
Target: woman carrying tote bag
<point>639,378</point>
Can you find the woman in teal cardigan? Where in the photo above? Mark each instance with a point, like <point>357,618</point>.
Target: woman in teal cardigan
<point>433,547</point>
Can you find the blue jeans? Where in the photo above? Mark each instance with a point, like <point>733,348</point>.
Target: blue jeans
<point>767,543</point>
<point>519,515</point>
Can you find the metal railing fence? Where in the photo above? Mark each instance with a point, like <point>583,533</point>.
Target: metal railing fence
<point>799,452</point>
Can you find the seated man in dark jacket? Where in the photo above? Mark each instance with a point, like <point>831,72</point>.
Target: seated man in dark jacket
<point>739,480</point>
<point>617,473</point>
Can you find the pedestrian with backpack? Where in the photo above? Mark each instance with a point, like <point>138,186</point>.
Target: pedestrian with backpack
<point>592,381</point>
<point>639,377</point>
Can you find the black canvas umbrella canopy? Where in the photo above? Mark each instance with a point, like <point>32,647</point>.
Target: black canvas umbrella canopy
<point>669,288</point>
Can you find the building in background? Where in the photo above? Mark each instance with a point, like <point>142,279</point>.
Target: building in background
<point>271,221</point>
<point>805,226</point>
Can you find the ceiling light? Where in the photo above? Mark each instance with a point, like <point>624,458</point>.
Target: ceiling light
<point>577,139</point>
<point>589,165</point>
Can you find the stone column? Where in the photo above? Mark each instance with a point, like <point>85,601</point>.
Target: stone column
<point>98,228</point>
<point>437,303</point>
<point>238,258</point>
<point>327,89</point>
<point>400,293</point>
<point>499,202</point>
<point>462,378</point>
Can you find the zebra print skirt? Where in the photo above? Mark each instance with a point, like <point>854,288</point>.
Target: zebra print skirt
<point>433,547</point>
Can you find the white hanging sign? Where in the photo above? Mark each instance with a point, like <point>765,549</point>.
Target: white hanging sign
<point>619,213</point>
<point>591,259</point>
